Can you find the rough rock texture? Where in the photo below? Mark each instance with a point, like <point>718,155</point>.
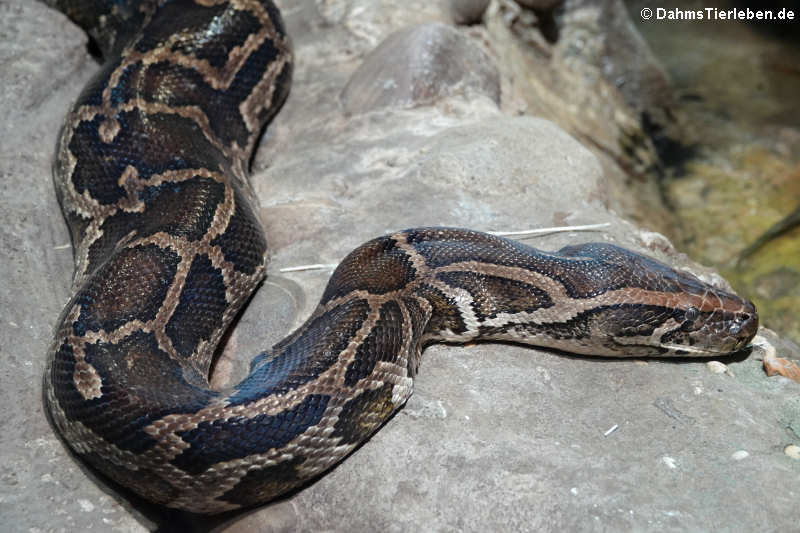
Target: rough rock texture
<point>496,437</point>
<point>420,65</point>
<point>576,70</point>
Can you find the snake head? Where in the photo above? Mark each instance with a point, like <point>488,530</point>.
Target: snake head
<point>705,324</point>
<point>709,321</point>
<point>653,309</point>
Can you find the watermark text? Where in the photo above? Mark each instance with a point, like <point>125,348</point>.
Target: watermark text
<point>714,14</point>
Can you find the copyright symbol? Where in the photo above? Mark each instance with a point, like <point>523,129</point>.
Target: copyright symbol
<point>646,13</point>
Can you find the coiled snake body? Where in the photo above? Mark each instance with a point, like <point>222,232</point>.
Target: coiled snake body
<point>151,175</point>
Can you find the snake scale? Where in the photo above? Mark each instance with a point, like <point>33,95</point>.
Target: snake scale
<point>151,172</point>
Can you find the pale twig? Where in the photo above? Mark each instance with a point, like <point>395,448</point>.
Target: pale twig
<point>318,266</point>
<point>611,430</point>
<point>542,231</point>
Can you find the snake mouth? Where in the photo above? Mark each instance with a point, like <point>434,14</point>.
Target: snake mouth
<point>694,351</point>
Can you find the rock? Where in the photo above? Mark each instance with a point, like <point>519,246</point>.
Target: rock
<point>468,11</point>
<point>594,76</point>
<point>418,66</point>
<point>740,455</point>
<point>27,52</point>
<point>716,367</point>
<point>614,49</point>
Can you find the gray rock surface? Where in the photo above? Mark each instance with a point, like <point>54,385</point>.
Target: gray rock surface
<point>420,65</point>
<point>496,437</point>
<point>44,65</point>
<point>580,80</point>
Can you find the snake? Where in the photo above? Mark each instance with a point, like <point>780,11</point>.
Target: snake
<point>151,171</point>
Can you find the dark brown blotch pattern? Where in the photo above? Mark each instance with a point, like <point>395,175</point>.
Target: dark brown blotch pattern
<point>492,295</point>
<point>149,143</point>
<point>132,286</point>
<point>238,437</point>
<point>362,415</point>
<point>378,267</point>
<point>445,314</point>
<point>200,308</point>
<point>243,243</point>
<point>140,384</point>
<point>383,343</point>
<point>263,484</point>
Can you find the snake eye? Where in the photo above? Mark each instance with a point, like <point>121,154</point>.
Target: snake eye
<point>691,314</point>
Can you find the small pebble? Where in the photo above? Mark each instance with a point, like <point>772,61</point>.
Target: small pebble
<point>86,505</point>
<point>738,456</point>
<point>716,367</point>
<point>792,451</point>
<point>764,345</point>
<point>774,365</point>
